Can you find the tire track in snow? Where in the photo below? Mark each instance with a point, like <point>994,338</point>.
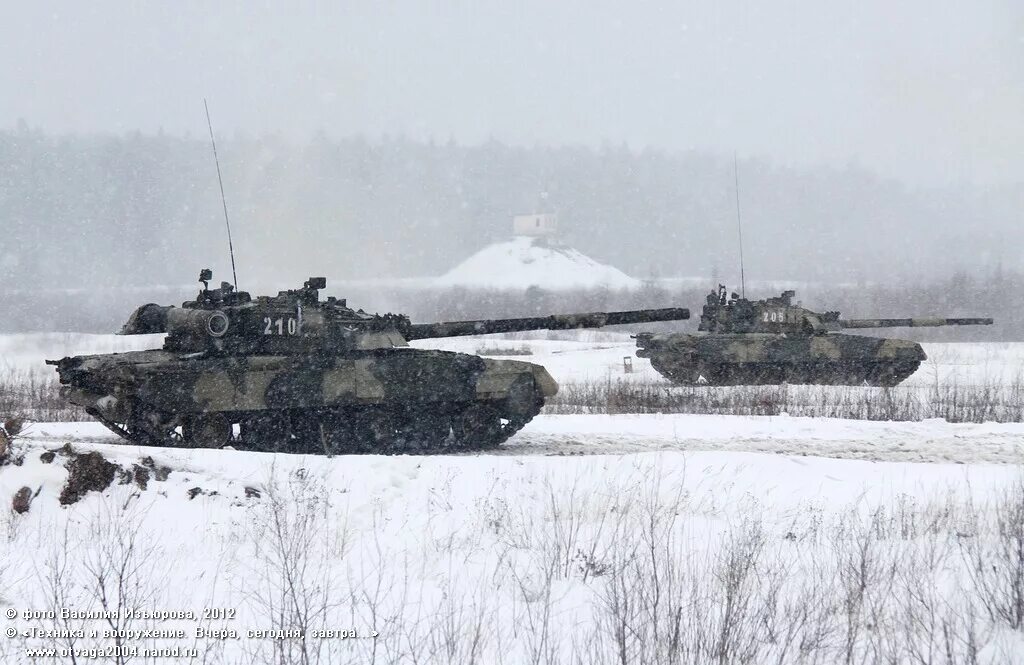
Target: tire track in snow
<point>928,441</point>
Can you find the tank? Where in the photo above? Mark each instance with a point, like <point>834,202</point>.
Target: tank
<point>295,373</point>
<point>772,341</point>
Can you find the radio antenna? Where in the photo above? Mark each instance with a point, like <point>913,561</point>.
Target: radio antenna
<point>223,199</point>
<point>739,222</point>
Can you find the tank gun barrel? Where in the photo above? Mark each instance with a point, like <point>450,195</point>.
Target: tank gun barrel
<point>554,322</point>
<point>913,323</point>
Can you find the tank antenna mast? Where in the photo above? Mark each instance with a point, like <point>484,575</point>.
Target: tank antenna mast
<point>223,199</point>
<point>739,221</point>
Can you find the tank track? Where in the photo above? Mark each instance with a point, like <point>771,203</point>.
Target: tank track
<point>880,374</point>
<point>366,430</point>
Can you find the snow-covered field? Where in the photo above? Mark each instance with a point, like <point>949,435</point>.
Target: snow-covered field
<point>585,539</point>
<point>928,441</point>
<point>531,558</point>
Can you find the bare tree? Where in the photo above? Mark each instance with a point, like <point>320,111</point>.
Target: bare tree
<point>293,583</point>
<point>122,572</point>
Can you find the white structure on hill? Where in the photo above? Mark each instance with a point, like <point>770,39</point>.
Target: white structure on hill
<point>534,257</point>
<point>538,225</point>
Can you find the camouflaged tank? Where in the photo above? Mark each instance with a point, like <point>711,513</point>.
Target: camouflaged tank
<point>774,341</point>
<point>296,374</point>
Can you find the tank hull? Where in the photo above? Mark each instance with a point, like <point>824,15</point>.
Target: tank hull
<point>384,400</point>
<point>767,359</point>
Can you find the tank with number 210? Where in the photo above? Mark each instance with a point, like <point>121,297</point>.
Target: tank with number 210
<point>298,374</point>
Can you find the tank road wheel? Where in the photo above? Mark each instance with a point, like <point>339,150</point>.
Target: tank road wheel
<point>709,374</point>
<point>377,431</point>
<point>144,428</point>
<point>270,431</point>
<point>773,374</point>
<point>305,432</point>
<point>688,371</point>
<point>368,430</point>
<point>380,431</point>
<point>407,432</point>
<point>679,374</point>
<point>889,375</point>
<point>485,425</point>
<point>427,431</point>
<point>207,430</point>
<point>479,426</point>
<point>336,433</point>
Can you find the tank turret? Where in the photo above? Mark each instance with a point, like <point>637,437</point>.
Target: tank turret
<point>771,341</point>
<point>225,321</point>
<point>778,315</point>
<point>295,373</point>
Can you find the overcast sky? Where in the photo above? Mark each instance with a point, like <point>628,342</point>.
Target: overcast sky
<point>929,91</point>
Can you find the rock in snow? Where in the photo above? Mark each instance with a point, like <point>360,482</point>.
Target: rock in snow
<point>524,262</point>
<point>22,500</point>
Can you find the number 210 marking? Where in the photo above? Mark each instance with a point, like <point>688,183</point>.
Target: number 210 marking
<point>280,325</point>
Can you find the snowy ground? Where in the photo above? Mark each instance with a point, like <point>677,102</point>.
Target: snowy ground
<point>585,539</point>
<point>490,558</point>
<point>928,441</point>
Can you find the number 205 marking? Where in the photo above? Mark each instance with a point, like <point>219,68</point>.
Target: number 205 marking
<point>773,316</point>
<point>280,326</point>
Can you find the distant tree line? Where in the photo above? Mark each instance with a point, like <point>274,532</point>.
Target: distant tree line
<point>998,294</point>
<point>141,211</point>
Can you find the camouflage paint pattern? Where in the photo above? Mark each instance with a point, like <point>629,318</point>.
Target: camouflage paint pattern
<point>291,372</point>
<point>759,358</point>
<point>265,383</point>
<point>773,341</point>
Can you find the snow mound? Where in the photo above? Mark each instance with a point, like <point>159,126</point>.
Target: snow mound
<point>524,262</point>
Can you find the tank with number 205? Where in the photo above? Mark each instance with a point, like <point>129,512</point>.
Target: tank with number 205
<point>772,341</point>
<point>298,374</point>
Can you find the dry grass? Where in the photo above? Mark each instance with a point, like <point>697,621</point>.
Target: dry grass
<point>36,396</point>
<point>950,401</point>
<point>630,574</point>
<point>521,350</point>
